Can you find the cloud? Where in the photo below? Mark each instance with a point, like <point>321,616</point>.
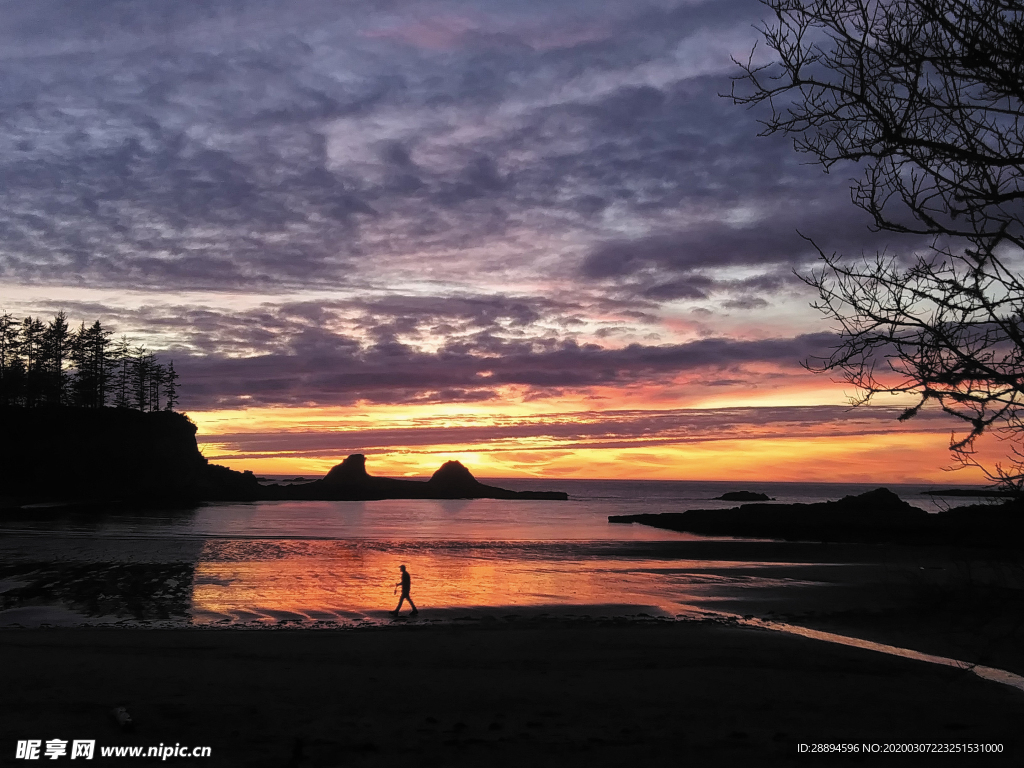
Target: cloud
<point>580,430</point>
<point>409,202</point>
<point>198,146</point>
<point>325,370</point>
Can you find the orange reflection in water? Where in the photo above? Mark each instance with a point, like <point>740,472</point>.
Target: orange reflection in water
<point>310,580</point>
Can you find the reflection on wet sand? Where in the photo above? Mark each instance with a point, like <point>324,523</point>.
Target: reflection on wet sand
<point>322,580</point>
<point>35,593</point>
<point>83,574</point>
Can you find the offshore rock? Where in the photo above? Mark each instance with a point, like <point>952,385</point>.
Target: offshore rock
<point>351,470</point>
<point>350,481</point>
<point>743,496</point>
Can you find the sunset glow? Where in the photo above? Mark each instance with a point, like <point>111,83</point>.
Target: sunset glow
<point>532,239</point>
<point>768,443</point>
<point>331,581</point>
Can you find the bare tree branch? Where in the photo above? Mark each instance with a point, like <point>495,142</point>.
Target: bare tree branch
<point>926,95</point>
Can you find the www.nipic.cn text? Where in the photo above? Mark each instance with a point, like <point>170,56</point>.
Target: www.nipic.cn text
<point>55,749</point>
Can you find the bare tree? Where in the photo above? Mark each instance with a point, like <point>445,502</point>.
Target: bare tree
<point>926,96</point>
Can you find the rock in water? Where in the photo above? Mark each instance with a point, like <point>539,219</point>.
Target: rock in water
<point>351,471</point>
<point>453,477</point>
<point>743,496</point>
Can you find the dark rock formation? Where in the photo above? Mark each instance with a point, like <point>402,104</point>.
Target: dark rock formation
<point>992,493</point>
<point>875,516</point>
<point>109,454</point>
<point>350,481</point>
<point>453,477</point>
<point>99,456</point>
<point>743,496</point>
<point>351,471</point>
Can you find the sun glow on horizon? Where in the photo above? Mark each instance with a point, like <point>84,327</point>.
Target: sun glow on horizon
<point>523,440</point>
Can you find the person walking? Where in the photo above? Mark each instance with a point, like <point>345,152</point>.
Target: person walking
<point>405,584</point>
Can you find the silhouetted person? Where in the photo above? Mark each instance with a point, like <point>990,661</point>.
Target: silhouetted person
<point>405,584</point>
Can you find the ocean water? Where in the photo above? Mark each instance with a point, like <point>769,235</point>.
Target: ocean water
<point>330,563</point>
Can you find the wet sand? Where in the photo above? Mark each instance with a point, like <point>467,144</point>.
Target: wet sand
<point>961,603</point>
<point>525,691</point>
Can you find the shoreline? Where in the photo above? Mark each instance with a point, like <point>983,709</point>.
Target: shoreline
<point>967,605</point>
<point>552,693</point>
<point>827,629</point>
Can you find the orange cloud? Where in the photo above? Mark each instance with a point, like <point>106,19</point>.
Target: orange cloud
<point>571,437</point>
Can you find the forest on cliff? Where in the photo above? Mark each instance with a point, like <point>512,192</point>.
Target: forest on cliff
<point>52,364</point>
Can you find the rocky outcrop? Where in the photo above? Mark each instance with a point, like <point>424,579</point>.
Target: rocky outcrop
<point>350,481</point>
<point>743,496</point>
<point>873,517</point>
<point>99,456</point>
<point>878,515</point>
<point>453,477</point>
<point>352,471</point>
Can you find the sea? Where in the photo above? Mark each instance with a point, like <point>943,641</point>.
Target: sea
<point>329,564</point>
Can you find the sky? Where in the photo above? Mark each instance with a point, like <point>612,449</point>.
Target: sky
<point>532,236</point>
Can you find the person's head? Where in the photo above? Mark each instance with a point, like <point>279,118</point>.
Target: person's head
<point>402,568</point>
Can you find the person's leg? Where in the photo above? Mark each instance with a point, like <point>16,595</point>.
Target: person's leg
<point>414,608</point>
<point>400,601</point>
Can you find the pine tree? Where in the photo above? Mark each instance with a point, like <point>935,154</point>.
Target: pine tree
<point>156,380</point>
<point>80,383</point>
<point>56,342</point>
<point>11,370</point>
<point>143,372</point>
<point>171,385</point>
<point>32,330</point>
<point>92,365</point>
<point>122,378</point>
<point>49,364</point>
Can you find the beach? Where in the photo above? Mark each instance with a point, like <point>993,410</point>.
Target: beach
<point>513,692</point>
<point>543,318</point>
<point>545,636</point>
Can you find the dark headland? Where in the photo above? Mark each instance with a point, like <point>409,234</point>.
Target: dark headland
<point>873,517</point>
<point>95,456</point>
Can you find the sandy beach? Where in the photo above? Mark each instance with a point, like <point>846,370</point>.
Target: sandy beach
<point>528,691</point>
<point>242,645</point>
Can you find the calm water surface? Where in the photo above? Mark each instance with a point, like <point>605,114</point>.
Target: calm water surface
<point>310,562</point>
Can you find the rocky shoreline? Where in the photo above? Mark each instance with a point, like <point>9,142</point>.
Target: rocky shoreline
<point>873,517</point>
<point>91,458</point>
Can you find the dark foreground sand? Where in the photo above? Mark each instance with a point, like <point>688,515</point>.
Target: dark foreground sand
<point>527,693</point>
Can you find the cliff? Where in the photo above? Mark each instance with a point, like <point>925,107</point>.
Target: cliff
<point>105,455</point>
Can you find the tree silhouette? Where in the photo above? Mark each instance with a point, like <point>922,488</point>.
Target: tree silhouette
<point>926,95</point>
<point>32,347</point>
<point>12,371</point>
<point>56,341</point>
<point>50,365</point>
<point>121,359</point>
<point>92,365</point>
<point>171,387</point>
